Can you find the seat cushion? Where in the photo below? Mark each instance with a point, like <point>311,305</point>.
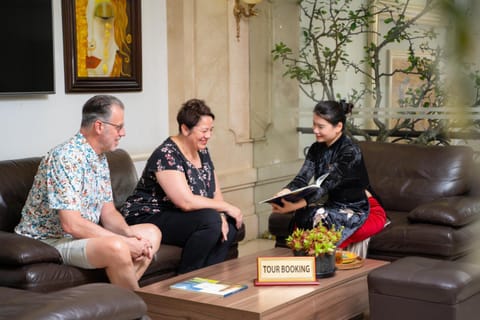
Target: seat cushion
<point>403,238</point>
<point>432,280</point>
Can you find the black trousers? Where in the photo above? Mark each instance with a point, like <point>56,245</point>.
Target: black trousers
<point>197,232</point>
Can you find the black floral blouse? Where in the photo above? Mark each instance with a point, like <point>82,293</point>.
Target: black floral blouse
<point>150,198</point>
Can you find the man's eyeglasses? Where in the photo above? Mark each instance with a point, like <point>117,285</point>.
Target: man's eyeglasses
<point>118,127</point>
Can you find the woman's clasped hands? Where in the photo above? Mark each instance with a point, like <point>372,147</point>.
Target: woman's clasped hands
<point>236,214</point>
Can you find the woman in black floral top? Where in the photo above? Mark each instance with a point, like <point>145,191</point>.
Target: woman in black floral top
<point>179,192</point>
<point>341,199</point>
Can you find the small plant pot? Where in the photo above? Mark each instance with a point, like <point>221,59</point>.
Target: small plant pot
<point>299,253</point>
<point>325,265</point>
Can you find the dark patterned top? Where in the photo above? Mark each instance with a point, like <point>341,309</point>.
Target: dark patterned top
<point>150,198</point>
<point>342,193</point>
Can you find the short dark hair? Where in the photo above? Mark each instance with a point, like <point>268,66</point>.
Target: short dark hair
<point>99,107</point>
<point>191,112</point>
<point>333,111</point>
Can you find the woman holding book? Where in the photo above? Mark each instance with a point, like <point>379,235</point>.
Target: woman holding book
<point>179,192</point>
<point>341,199</point>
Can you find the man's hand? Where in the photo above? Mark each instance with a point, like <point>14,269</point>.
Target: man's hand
<point>139,248</point>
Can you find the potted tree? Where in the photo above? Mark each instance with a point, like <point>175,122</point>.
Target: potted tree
<point>319,242</point>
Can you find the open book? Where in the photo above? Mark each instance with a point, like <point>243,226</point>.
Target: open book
<point>211,286</point>
<point>296,195</point>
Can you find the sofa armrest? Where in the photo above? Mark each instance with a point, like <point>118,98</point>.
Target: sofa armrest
<point>91,301</point>
<point>19,250</point>
<point>102,301</point>
<point>452,211</point>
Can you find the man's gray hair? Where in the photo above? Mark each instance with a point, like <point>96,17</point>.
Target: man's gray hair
<point>99,108</point>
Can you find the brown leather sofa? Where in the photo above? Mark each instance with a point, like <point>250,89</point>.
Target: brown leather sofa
<point>32,265</point>
<point>93,301</point>
<point>431,195</point>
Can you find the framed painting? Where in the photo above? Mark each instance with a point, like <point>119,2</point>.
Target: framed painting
<point>102,45</point>
<point>400,83</point>
<point>399,86</point>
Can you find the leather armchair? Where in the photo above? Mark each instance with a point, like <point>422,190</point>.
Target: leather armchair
<point>431,195</point>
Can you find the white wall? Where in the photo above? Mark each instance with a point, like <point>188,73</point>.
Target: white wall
<point>31,125</point>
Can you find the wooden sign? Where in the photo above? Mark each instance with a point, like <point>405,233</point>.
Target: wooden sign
<point>285,271</point>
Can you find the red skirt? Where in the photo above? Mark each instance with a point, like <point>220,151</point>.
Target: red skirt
<point>374,224</point>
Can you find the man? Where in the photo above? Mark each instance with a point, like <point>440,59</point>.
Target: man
<point>72,194</point>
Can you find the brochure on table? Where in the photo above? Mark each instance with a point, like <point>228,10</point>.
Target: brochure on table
<point>210,286</point>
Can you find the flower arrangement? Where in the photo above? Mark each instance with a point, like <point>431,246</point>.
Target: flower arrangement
<point>315,242</point>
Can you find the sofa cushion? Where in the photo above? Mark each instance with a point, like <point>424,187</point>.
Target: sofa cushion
<point>406,176</point>
<point>454,211</point>
<point>123,175</point>
<point>16,179</point>
<point>19,250</point>
<point>91,301</point>
<point>402,238</point>
<point>46,277</point>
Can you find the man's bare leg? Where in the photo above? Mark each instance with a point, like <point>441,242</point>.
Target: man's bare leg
<point>113,254</point>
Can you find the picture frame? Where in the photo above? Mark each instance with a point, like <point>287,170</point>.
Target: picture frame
<point>110,58</point>
<point>398,86</point>
<point>399,83</point>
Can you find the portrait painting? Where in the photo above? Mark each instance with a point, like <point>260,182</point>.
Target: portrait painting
<point>102,44</point>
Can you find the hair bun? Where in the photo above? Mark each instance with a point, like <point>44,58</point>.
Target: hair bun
<point>346,106</point>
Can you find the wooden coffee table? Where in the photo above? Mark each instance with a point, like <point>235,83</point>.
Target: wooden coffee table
<point>342,296</point>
